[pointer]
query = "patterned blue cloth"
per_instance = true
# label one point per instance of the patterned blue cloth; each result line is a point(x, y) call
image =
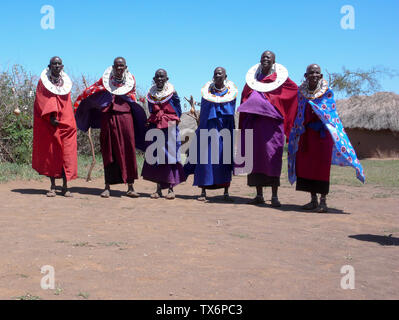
point(343, 153)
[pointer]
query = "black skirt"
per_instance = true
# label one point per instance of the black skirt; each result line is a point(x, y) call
point(262, 180)
point(314, 186)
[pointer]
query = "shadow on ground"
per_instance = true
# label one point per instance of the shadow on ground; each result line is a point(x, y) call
point(382, 240)
point(267, 204)
point(95, 191)
point(30, 191)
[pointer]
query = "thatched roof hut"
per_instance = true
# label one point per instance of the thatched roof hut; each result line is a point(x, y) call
point(372, 124)
point(377, 112)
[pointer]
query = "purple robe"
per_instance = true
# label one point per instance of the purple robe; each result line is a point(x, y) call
point(170, 173)
point(258, 114)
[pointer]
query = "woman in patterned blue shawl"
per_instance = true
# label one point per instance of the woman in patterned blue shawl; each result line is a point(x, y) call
point(318, 140)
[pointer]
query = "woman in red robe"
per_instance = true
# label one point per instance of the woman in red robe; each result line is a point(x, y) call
point(110, 104)
point(313, 158)
point(54, 128)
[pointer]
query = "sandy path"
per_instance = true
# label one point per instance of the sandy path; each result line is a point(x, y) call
point(122, 248)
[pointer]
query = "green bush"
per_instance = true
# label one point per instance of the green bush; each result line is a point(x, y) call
point(17, 89)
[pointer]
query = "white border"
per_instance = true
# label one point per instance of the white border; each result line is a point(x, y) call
point(154, 96)
point(63, 90)
point(126, 88)
point(311, 96)
point(253, 83)
point(229, 96)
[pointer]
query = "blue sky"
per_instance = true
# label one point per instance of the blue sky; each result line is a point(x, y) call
point(190, 38)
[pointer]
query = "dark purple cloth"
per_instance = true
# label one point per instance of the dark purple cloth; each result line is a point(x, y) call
point(258, 104)
point(89, 114)
point(258, 114)
point(171, 172)
point(167, 175)
point(118, 142)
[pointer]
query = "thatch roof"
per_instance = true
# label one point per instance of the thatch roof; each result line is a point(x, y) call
point(377, 112)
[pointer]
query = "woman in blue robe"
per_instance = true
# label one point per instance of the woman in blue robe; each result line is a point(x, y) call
point(212, 163)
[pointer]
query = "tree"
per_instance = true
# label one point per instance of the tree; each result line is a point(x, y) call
point(359, 82)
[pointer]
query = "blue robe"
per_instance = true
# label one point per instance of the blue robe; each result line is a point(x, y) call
point(216, 116)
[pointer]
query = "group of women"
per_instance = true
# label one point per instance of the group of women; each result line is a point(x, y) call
point(273, 111)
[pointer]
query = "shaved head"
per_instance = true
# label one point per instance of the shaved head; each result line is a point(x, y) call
point(160, 78)
point(268, 52)
point(55, 67)
point(313, 75)
point(267, 60)
point(219, 76)
point(220, 68)
point(120, 58)
point(54, 59)
point(161, 71)
point(119, 68)
point(313, 66)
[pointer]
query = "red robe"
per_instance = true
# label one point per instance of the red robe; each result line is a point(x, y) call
point(284, 98)
point(54, 148)
point(313, 158)
point(118, 143)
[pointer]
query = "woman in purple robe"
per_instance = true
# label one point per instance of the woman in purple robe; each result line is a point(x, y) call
point(165, 111)
point(268, 107)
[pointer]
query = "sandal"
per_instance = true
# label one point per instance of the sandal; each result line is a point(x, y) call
point(227, 198)
point(156, 195)
point(105, 194)
point(310, 206)
point(275, 202)
point(132, 194)
point(66, 193)
point(322, 208)
point(170, 196)
point(257, 200)
point(51, 193)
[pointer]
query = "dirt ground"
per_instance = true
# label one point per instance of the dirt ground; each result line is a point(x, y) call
point(123, 248)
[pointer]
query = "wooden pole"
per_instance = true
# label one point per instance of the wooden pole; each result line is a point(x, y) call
point(193, 112)
point(93, 161)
